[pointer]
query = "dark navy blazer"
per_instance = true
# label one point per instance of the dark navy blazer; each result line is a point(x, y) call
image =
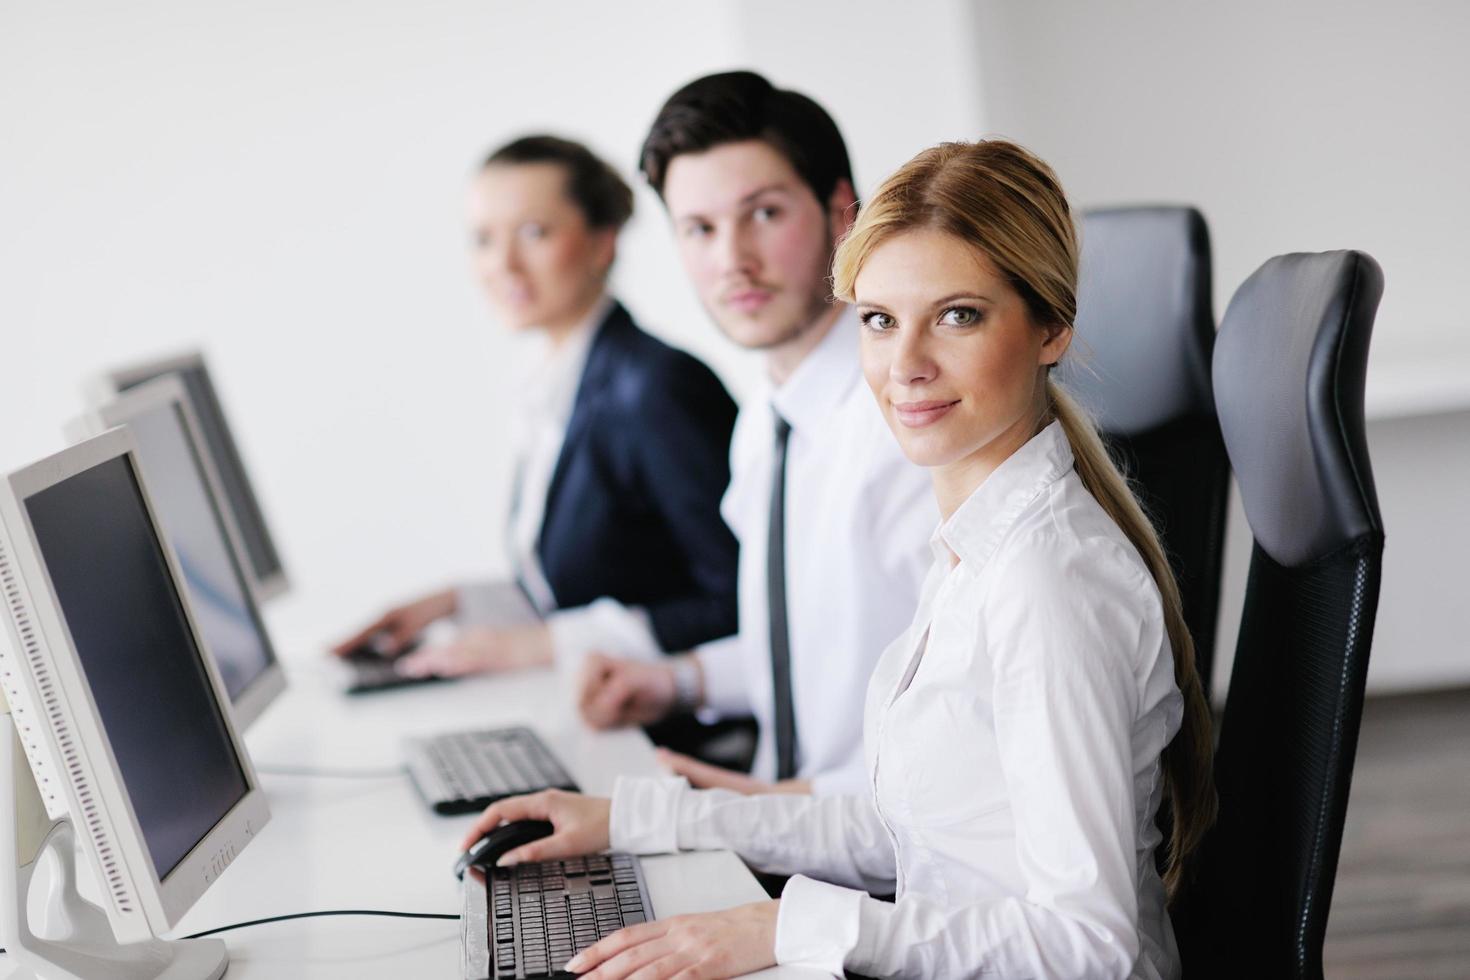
point(633, 510)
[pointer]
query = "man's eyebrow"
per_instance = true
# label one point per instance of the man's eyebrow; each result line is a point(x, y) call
point(781, 186)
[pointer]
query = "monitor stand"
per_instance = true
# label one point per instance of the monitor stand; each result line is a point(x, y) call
point(80, 943)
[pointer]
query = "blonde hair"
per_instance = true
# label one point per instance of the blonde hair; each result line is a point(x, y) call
point(1009, 206)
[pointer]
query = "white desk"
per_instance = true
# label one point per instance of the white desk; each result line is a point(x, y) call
point(374, 844)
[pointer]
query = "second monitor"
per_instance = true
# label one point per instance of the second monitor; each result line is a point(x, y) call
point(267, 571)
point(201, 528)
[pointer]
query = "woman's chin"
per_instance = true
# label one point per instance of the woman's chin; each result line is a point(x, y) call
point(922, 449)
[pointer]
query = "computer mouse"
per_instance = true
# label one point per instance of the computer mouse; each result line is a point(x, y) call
point(375, 650)
point(507, 837)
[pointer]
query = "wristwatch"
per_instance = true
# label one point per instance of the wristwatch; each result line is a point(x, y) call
point(688, 683)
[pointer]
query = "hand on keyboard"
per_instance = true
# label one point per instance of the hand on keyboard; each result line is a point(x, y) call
point(581, 824)
point(715, 944)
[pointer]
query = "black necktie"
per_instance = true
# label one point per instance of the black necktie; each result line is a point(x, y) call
point(776, 604)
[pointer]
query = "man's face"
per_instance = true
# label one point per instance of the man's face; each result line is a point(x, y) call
point(755, 241)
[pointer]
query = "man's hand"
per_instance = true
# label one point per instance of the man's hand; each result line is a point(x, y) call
point(702, 775)
point(615, 693)
point(480, 649)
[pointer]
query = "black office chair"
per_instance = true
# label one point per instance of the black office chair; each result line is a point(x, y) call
point(1288, 371)
point(1145, 332)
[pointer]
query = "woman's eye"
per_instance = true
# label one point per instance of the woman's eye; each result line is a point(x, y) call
point(960, 316)
point(767, 213)
point(877, 321)
point(533, 231)
point(482, 239)
point(697, 230)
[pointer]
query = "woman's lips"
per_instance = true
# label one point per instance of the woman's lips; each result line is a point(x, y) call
point(916, 415)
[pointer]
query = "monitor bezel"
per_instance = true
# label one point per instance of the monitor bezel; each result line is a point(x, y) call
point(97, 784)
point(168, 392)
point(117, 381)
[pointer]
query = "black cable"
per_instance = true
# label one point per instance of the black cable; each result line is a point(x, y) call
point(311, 915)
point(330, 773)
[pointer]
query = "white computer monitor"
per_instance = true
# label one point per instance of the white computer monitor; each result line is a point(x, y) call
point(122, 716)
point(267, 571)
point(200, 526)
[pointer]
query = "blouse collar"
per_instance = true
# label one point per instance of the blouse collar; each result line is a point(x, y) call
point(977, 526)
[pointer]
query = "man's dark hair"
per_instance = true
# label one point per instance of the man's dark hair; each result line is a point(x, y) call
point(604, 198)
point(735, 106)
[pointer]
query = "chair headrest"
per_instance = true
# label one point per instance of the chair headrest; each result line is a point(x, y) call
point(1141, 354)
point(1289, 368)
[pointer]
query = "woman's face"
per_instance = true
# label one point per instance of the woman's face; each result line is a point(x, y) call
point(539, 263)
point(951, 353)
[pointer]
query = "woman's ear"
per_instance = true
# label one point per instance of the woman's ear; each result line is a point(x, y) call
point(1058, 339)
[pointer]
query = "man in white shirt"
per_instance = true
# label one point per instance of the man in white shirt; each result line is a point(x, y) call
point(833, 521)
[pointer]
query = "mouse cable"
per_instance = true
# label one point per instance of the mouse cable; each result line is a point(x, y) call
point(328, 772)
point(312, 915)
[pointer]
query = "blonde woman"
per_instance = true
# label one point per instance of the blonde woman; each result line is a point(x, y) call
point(1021, 736)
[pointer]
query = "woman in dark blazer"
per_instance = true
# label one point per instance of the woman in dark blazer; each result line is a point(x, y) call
point(615, 533)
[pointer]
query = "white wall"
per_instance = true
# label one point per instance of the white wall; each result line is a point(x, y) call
point(282, 183)
point(1294, 127)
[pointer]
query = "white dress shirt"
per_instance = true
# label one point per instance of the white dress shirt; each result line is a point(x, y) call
point(1012, 738)
point(858, 518)
point(548, 397)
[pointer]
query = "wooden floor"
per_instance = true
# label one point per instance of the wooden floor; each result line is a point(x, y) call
point(1401, 908)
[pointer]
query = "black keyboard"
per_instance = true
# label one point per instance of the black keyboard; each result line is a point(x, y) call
point(529, 920)
point(463, 772)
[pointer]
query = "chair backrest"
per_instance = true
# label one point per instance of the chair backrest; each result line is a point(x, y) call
point(1145, 333)
point(1289, 368)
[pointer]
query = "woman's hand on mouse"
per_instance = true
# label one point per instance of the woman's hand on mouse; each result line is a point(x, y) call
point(402, 623)
point(581, 824)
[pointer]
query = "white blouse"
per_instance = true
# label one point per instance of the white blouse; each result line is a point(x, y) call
point(1012, 737)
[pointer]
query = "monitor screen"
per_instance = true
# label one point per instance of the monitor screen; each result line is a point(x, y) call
point(264, 561)
point(218, 592)
point(146, 674)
